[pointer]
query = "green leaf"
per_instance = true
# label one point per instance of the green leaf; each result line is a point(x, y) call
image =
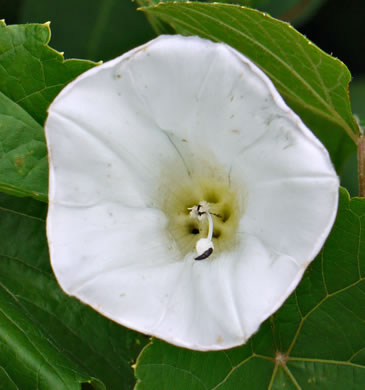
point(23, 162)
point(31, 75)
point(314, 84)
point(294, 11)
point(47, 339)
point(315, 341)
point(160, 27)
point(248, 3)
point(90, 29)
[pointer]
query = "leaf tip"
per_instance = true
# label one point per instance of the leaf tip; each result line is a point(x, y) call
point(47, 24)
point(344, 194)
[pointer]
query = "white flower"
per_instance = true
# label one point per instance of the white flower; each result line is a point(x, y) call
point(177, 141)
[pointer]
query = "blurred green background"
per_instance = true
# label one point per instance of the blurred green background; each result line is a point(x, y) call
point(103, 29)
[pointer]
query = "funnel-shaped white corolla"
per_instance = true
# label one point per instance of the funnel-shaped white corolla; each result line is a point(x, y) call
point(186, 199)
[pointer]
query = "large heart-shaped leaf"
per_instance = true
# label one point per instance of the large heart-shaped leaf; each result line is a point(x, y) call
point(31, 75)
point(295, 11)
point(161, 27)
point(48, 340)
point(315, 341)
point(313, 83)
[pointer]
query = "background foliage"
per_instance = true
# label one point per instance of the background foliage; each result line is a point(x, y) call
point(51, 341)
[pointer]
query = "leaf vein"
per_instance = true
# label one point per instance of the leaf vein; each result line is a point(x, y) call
point(16, 325)
point(21, 214)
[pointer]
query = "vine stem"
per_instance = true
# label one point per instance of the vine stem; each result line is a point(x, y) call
point(361, 163)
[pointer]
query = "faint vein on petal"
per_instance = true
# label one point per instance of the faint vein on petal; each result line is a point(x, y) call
point(178, 152)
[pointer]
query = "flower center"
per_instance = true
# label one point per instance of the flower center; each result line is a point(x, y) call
point(203, 211)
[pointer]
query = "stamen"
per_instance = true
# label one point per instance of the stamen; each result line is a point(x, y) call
point(204, 246)
point(210, 229)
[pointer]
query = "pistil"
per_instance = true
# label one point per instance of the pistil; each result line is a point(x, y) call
point(204, 247)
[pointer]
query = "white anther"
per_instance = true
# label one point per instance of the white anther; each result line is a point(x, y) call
point(204, 247)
